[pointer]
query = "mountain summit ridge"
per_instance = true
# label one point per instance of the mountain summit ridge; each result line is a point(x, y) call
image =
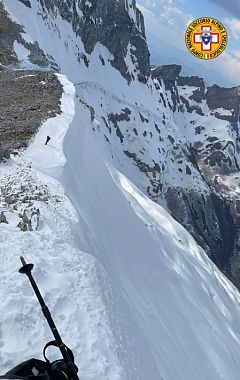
point(155, 128)
point(133, 293)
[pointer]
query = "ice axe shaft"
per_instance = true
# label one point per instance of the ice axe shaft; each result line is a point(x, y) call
point(27, 269)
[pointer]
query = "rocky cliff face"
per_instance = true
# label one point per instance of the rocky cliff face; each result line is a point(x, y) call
point(115, 24)
point(28, 97)
point(211, 124)
point(10, 34)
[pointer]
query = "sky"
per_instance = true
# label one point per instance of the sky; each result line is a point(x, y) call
point(166, 22)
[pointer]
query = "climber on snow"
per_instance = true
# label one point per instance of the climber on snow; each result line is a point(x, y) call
point(48, 139)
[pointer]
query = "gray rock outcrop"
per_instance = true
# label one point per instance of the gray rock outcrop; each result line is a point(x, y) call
point(10, 32)
point(108, 22)
point(3, 218)
point(27, 99)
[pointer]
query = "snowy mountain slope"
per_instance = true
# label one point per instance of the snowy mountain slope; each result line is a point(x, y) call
point(143, 294)
point(164, 274)
point(163, 147)
point(147, 301)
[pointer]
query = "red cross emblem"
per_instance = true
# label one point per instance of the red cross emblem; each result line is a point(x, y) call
point(206, 37)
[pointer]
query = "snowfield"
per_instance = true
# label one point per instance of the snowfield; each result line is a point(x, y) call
point(130, 290)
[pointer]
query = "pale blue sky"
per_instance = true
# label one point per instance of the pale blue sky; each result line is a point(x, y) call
point(166, 22)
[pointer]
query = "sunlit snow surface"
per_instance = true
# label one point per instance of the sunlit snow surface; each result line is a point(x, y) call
point(140, 300)
point(132, 293)
point(68, 277)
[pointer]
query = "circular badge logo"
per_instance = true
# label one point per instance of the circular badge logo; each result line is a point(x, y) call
point(206, 38)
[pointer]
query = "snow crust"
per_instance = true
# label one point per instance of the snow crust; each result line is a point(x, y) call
point(223, 112)
point(21, 51)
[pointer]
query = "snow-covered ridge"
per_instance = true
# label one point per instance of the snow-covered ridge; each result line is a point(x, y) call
point(133, 294)
point(48, 216)
point(56, 128)
point(21, 199)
